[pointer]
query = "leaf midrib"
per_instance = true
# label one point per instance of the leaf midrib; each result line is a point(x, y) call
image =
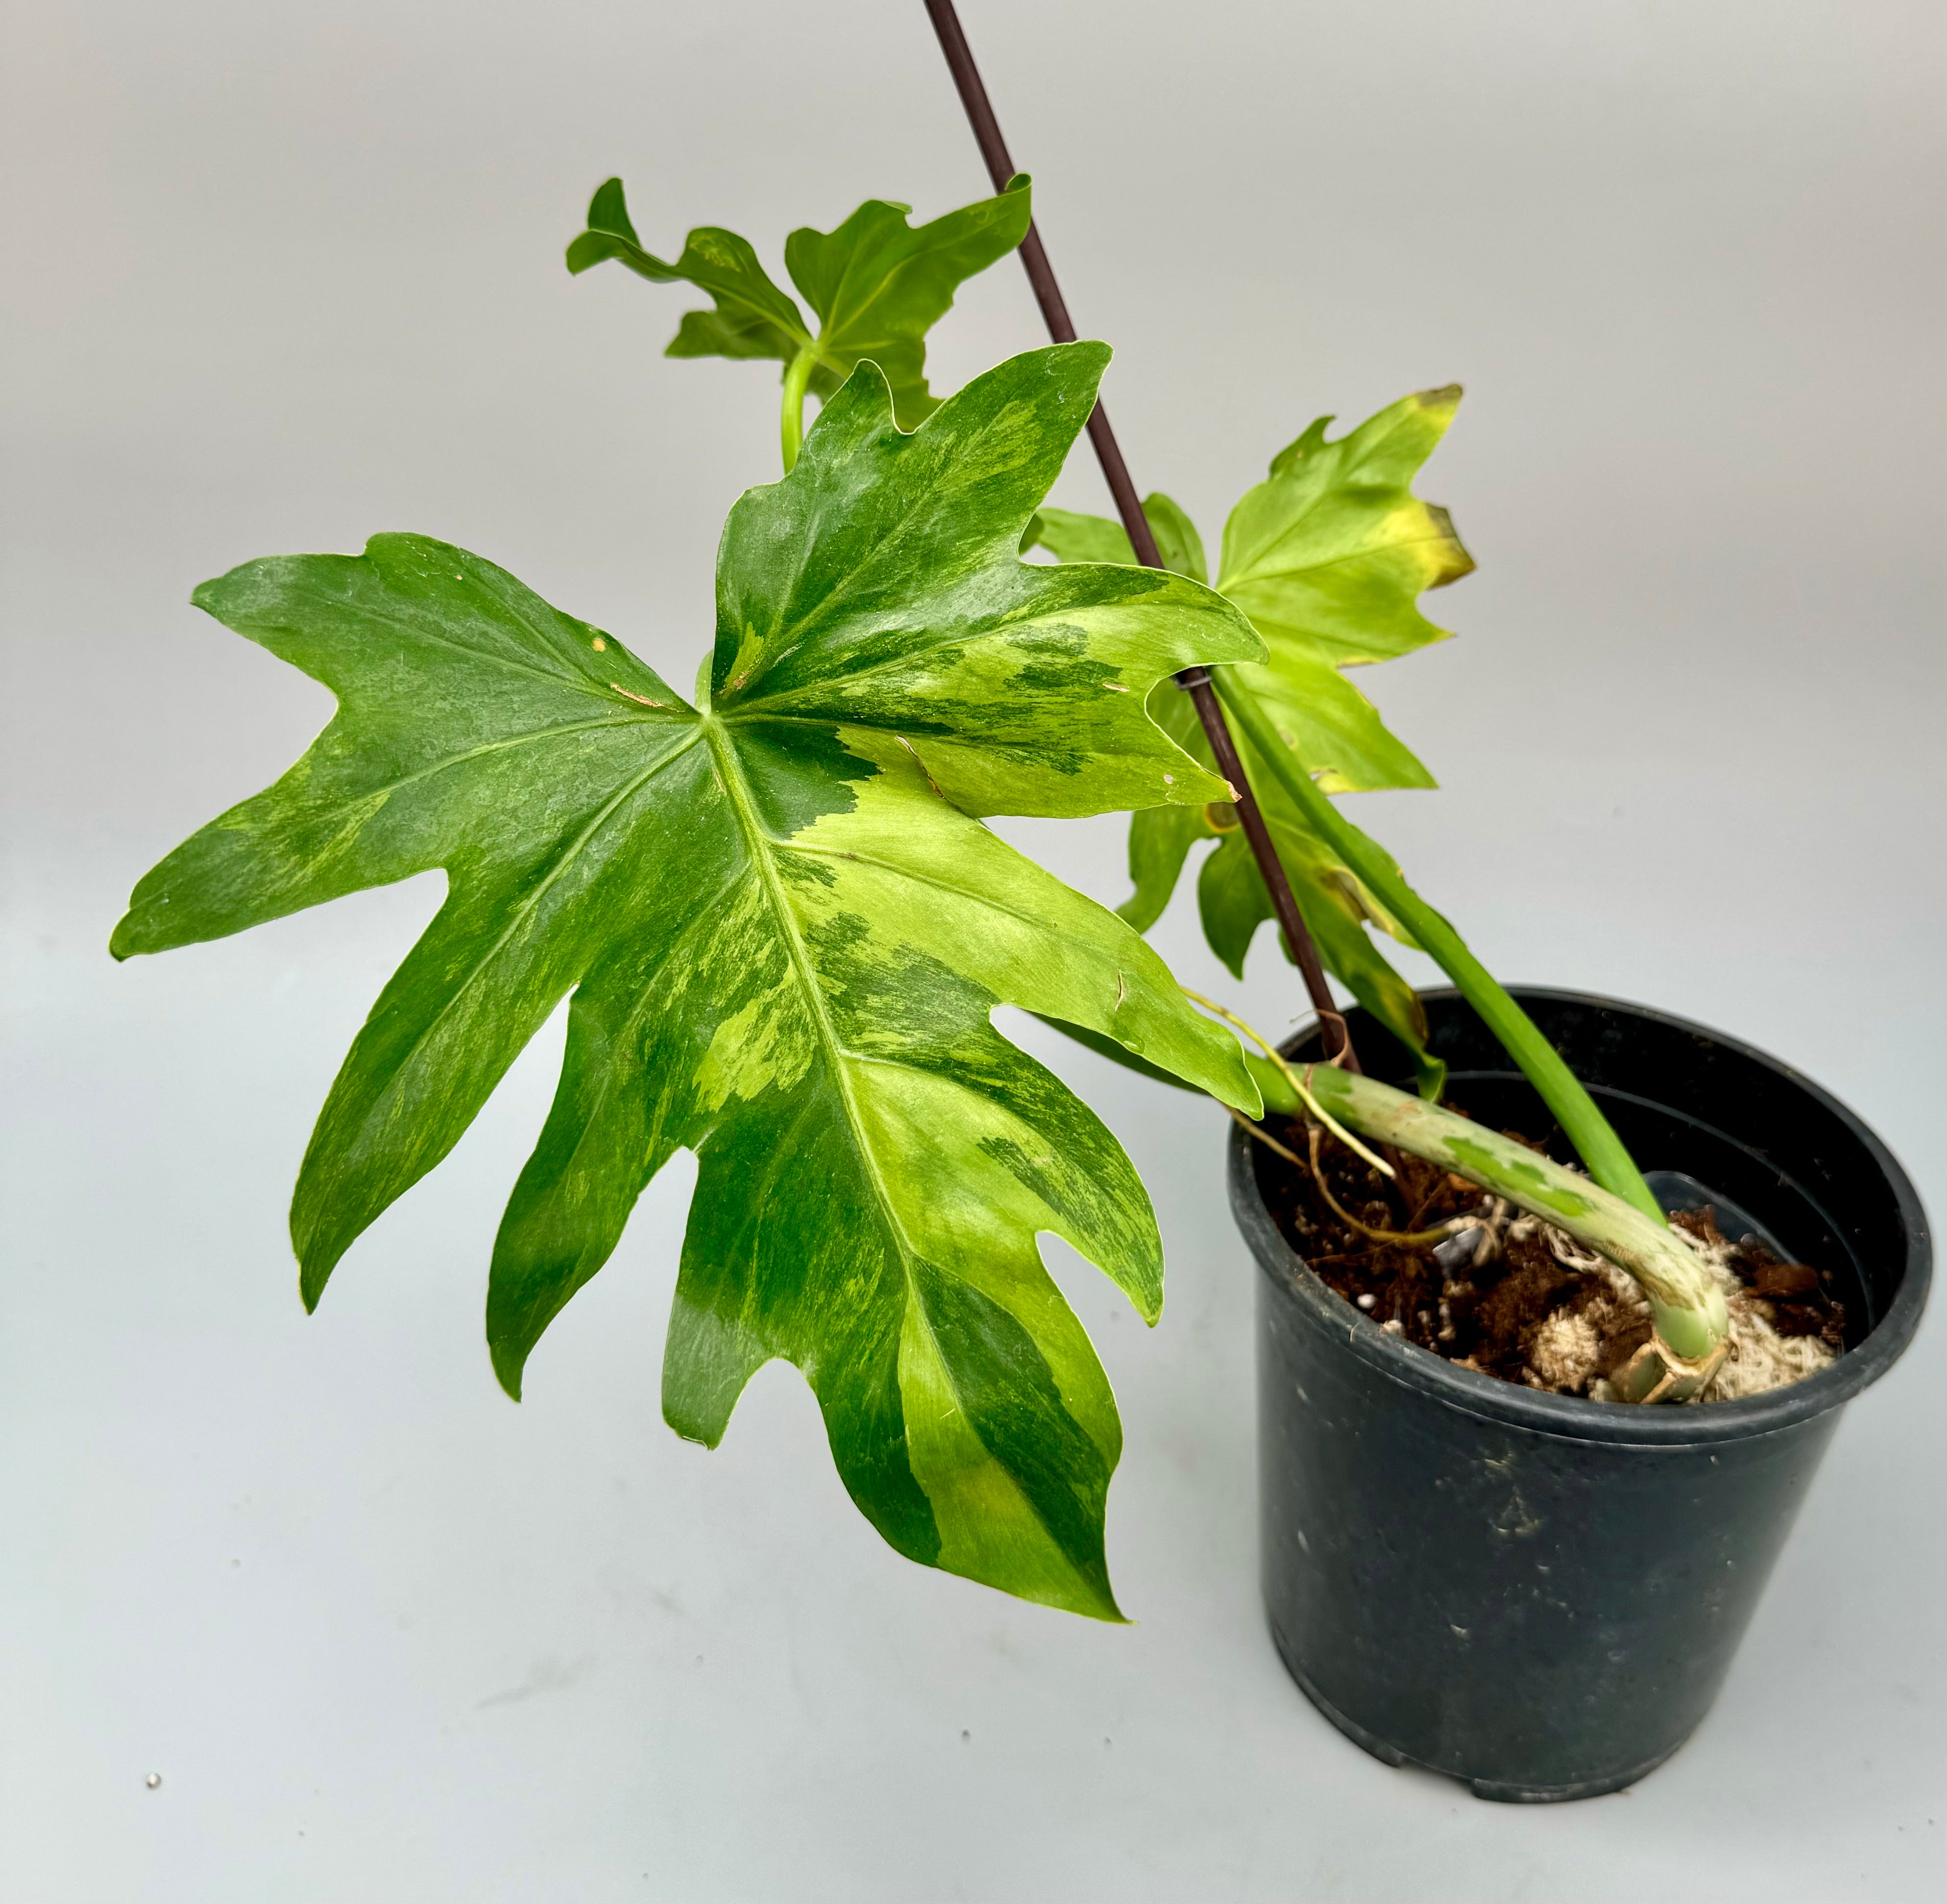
point(504, 744)
point(1026, 615)
point(1252, 573)
point(852, 319)
point(886, 549)
point(646, 999)
point(939, 885)
point(759, 844)
point(558, 677)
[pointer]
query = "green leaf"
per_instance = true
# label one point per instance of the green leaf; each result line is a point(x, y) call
point(752, 318)
point(783, 933)
point(1328, 557)
point(1072, 538)
point(1120, 1055)
point(1334, 548)
point(1177, 542)
point(876, 284)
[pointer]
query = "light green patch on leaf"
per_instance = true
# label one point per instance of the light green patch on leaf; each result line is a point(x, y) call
point(1177, 542)
point(1071, 537)
point(1329, 554)
point(875, 286)
point(783, 932)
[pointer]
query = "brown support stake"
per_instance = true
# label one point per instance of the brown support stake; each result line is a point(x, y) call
point(1194, 682)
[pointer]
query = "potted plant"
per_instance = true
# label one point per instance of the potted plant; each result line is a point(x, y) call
point(781, 928)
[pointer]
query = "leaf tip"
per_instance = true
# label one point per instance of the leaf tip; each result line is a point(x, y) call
point(608, 210)
point(509, 1365)
point(1453, 557)
point(314, 1264)
point(1101, 1604)
point(684, 1430)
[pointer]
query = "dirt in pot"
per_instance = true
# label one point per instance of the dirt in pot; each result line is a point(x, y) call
point(1502, 1292)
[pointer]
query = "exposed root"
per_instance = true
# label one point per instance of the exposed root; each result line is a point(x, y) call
point(1507, 1292)
point(1568, 1349)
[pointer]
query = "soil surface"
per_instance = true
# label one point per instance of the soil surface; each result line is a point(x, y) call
point(1497, 1296)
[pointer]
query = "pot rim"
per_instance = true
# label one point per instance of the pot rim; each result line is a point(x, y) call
point(1570, 1418)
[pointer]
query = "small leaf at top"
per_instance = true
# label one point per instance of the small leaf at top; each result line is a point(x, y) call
point(876, 285)
point(784, 934)
point(753, 318)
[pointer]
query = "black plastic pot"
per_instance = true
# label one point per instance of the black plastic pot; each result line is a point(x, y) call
point(1538, 1594)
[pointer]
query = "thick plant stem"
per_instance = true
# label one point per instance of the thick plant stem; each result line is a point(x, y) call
point(1686, 1305)
point(797, 380)
point(1595, 1141)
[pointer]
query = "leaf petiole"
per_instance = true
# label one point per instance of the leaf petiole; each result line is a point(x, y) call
point(1582, 1122)
point(797, 380)
point(1297, 1084)
point(1686, 1307)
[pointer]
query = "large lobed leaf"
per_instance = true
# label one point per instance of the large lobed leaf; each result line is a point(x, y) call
point(1328, 557)
point(876, 285)
point(785, 933)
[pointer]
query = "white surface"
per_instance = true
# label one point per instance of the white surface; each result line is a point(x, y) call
point(281, 275)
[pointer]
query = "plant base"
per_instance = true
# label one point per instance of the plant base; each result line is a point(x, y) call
point(1538, 1594)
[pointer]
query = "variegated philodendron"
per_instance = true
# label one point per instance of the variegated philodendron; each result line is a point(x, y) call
point(784, 930)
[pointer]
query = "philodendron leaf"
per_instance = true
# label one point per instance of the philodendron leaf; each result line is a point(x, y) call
point(752, 317)
point(1329, 556)
point(876, 285)
point(784, 933)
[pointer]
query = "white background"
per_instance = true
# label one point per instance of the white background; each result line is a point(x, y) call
point(278, 276)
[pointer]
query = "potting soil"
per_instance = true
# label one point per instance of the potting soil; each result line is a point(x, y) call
point(1505, 1294)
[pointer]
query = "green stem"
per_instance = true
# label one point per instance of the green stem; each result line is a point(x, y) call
point(1596, 1142)
point(797, 380)
point(1685, 1303)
